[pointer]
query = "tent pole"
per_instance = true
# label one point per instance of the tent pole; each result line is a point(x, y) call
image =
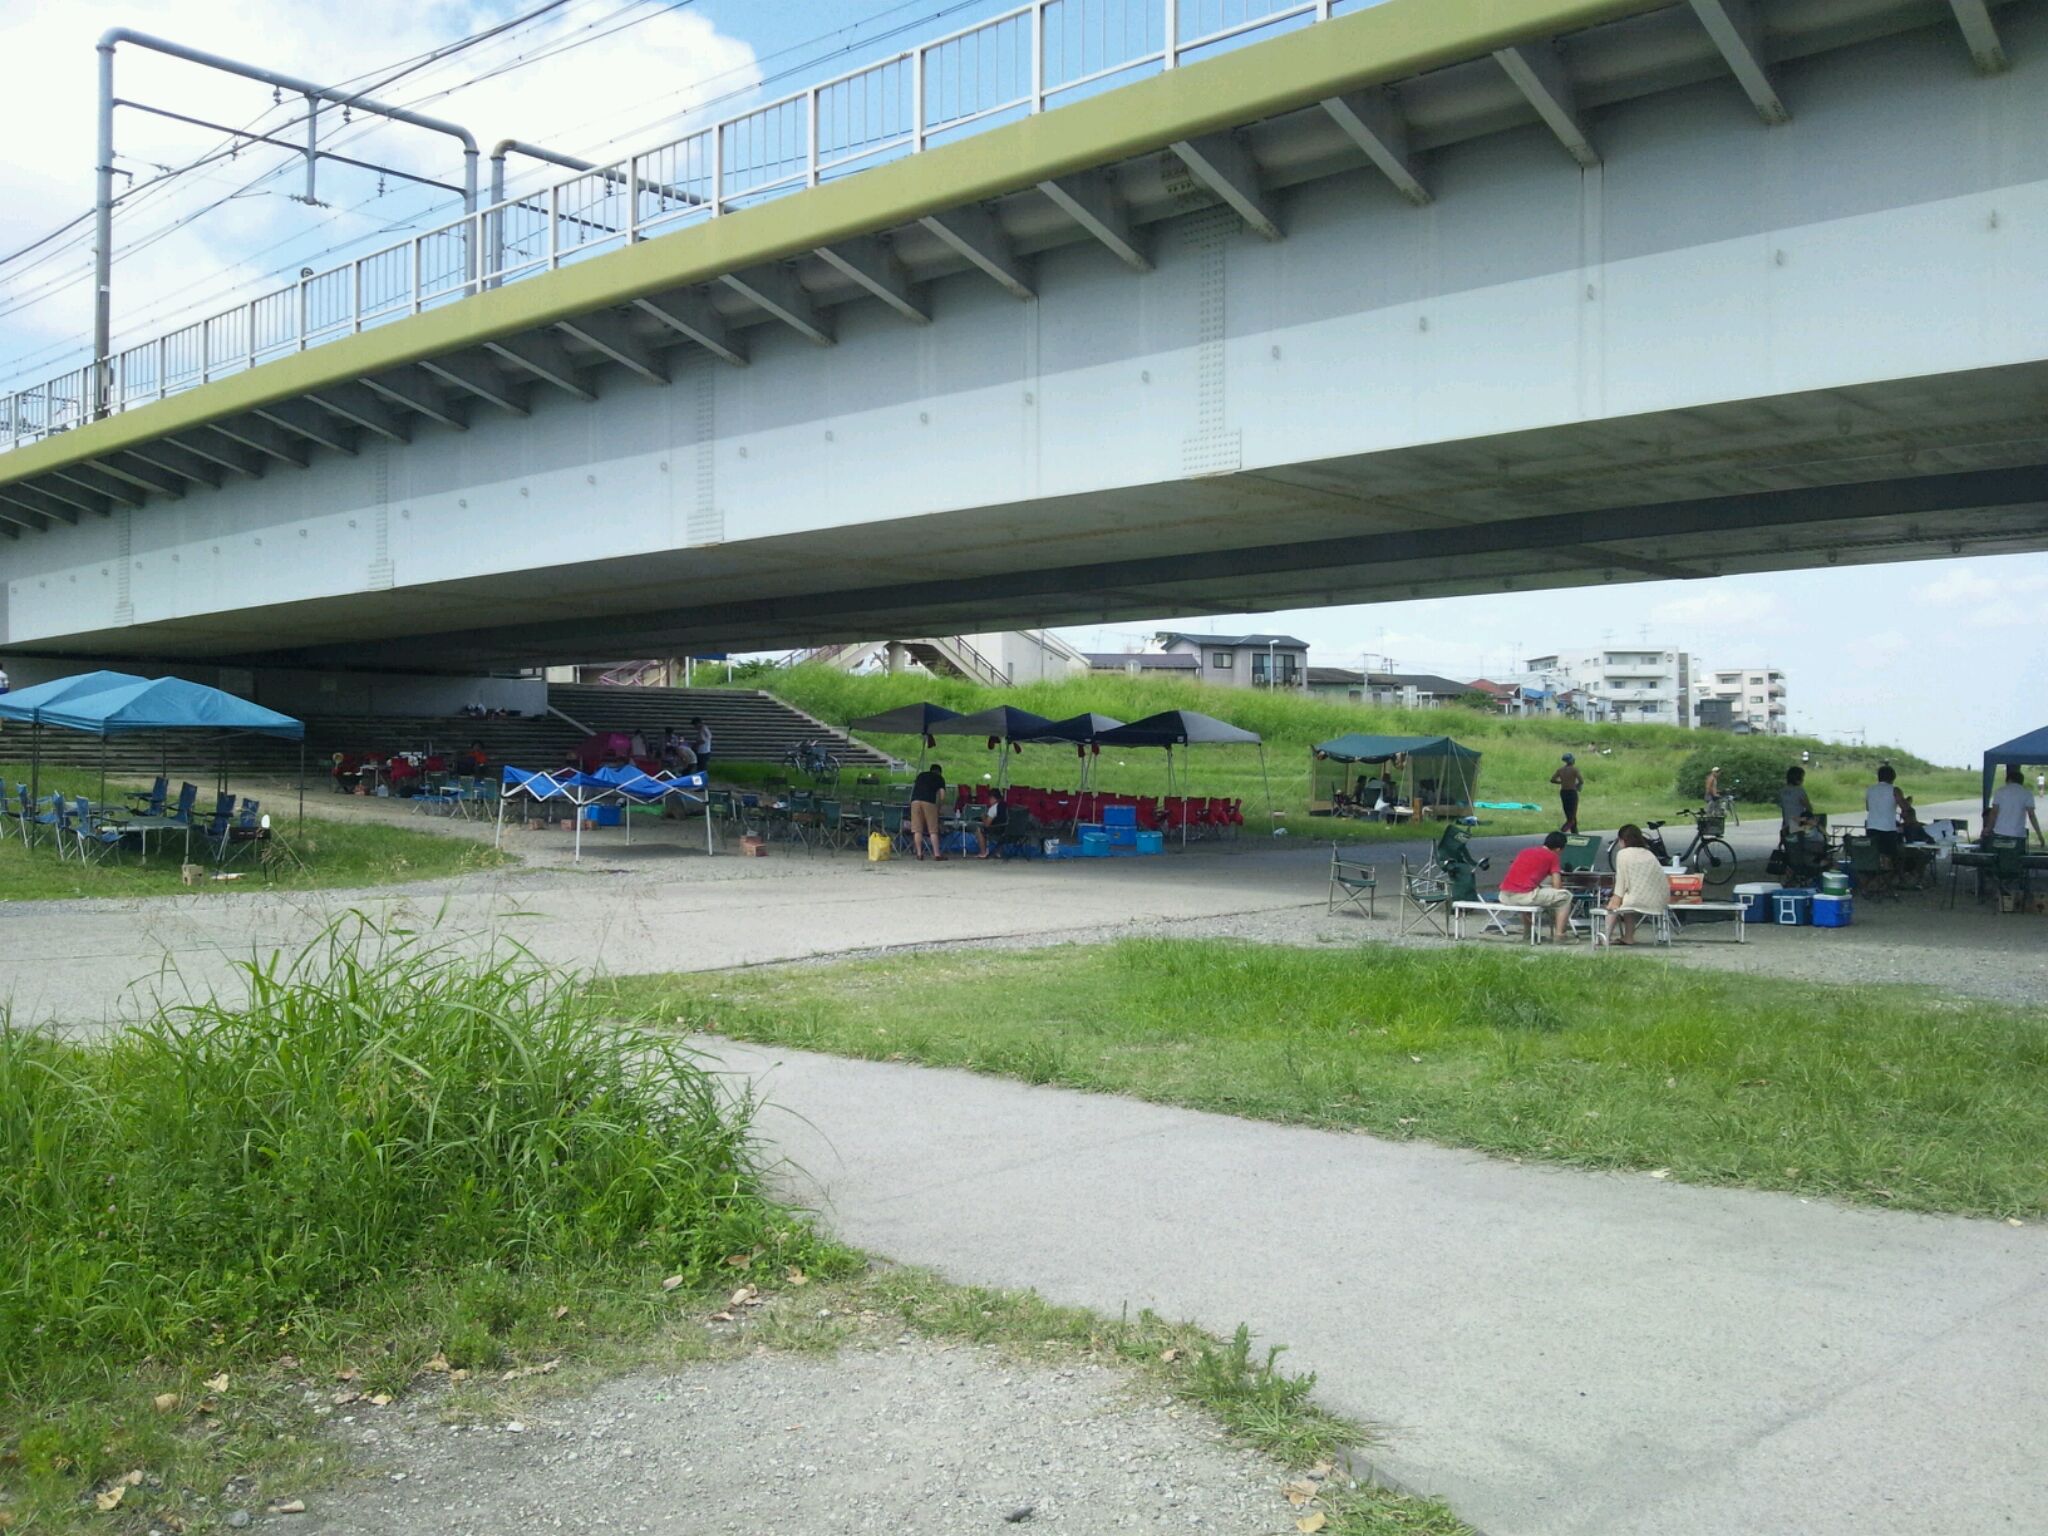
point(302, 784)
point(35, 758)
point(498, 841)
point(1266, 779)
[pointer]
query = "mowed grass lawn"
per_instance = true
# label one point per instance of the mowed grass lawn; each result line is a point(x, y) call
point(336, 854)
point(1882, 1095)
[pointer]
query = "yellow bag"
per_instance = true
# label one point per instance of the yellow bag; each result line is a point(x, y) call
point(880, 848)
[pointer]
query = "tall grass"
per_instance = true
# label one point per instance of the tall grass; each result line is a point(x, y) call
point(1632, 771)
point(378, 1111)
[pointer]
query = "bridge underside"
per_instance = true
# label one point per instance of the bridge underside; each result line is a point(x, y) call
point(1915, 469)
point(1658, 334)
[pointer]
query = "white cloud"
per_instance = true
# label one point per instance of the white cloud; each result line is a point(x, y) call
point(1718, 607)
point(610, 87)
point(1995, 595)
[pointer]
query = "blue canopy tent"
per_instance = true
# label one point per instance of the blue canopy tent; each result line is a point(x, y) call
point(27, 705)
point(164, 704)
point(2028, 751)
point(617, 785)
point(1172, 728)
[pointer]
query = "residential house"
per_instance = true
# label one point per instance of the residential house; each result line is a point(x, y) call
point(1242, 661)
point(1403, 690)
point(1142, 663)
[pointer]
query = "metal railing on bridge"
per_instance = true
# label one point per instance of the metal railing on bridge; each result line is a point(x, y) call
point(1037, 56)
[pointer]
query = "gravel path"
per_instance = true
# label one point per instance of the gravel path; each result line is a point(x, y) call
point(919, 1436)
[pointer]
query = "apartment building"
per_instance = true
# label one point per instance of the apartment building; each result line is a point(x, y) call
point(1629, 685)
point(1747, 700)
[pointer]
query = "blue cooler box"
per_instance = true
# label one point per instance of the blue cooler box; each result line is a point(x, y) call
point(1121, 836)
point(1791, 907)
point(1756, 900)
point(1114, 816)
point(1094, 843)
point(1151, 842)
point(601, 815)
point(1833, 911)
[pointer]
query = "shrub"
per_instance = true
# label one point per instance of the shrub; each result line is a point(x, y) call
point(1752, 768)
point(378, 1109)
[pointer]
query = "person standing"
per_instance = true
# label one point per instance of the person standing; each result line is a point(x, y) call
point(1883, 815)
point(2012, 808)
point(5, 686)
point(1569, 780)
point(1795, 810)
point(1535, 878)
point(703, 734)
point(924, 812)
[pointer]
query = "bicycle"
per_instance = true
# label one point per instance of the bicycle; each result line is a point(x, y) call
point(1708, 855)
point(814, 761)
point(1724, 803)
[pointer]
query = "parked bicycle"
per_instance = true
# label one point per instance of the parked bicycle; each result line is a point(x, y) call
point(1708, 855)
point(815, 761)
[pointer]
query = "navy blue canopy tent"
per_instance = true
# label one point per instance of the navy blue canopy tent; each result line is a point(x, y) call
point(919, 720)
point(1172, 728)
point(108, 704)
point(2028, 751)
point(1004, 726)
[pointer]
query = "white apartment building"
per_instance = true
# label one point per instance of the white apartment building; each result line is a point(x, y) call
point(1629, 685)
point(1754, 696)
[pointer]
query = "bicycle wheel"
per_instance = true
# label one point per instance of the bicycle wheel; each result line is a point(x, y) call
point(1713, 860)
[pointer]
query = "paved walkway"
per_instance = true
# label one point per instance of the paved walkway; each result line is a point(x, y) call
point(1553, 1351)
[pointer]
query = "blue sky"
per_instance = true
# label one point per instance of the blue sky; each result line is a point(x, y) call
point(1943, 658)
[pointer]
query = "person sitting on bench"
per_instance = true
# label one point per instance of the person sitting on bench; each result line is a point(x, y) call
point(1535, 879)
point(1641, 888)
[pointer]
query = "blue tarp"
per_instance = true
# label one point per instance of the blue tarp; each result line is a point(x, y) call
point(30, 704)
point(620, 782)
point(2028, 751)
point(165, 704)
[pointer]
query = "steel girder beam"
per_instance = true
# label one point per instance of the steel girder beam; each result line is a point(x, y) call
point(471, 372)
point(266, 439)
point(168, 455)
point(1539, 73)
point(974, 233)
point(610, 335)
point(1981, 33)
point(311, 423)
point(776, 290)
point(1734, 27)
point(1830, 507)
point(690, 315)
point(1091, 201)
point(1227, 169)
point(202, 445)
point(1372, 121)
point(102, 485)
point(18, 512)
point(414, 391)
point(137, 472)
point(546, 359)
point(871, 266)
point(55, 498)
point(363, 407)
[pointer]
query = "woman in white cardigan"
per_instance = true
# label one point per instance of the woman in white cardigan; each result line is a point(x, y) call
point(1641, 888)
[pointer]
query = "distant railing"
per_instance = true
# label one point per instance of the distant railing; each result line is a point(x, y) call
point(999, 70)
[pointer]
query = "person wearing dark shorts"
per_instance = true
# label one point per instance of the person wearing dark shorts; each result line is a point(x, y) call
point(924, 812)
point(1568, 780)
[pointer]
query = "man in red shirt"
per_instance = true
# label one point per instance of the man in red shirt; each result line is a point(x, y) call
point(1535, 879)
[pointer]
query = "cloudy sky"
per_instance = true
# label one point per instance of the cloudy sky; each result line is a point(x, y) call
point(1944, 658)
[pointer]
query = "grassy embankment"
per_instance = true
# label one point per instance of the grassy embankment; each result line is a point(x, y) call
point(1632, 771)
point(395, 1168)
point(337, 854)
point(1886, 1096)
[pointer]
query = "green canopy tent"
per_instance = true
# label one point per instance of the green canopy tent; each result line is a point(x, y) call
point(1430, 775)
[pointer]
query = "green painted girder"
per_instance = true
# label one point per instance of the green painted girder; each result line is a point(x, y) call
point(1379, 46)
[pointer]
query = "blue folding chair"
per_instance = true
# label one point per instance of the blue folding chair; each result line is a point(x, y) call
point(243, 832)
point(151, 804)
point(188, 796)
point(94, 837)
point(19, 815)
point(215, 832)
